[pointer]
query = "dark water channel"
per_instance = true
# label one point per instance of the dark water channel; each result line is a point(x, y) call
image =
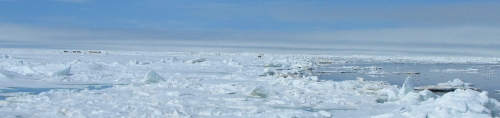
point(484, 76)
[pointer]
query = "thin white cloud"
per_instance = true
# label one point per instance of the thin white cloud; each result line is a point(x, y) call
point(478, 13)
point(466, 40)
point(75, 1)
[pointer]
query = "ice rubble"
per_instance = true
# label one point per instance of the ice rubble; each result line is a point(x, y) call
point(5, 56)
point(272, 65)
point(174, 59)
point(468, 70)
point(24, 70)
point(267, 72)
point(47, 70)
point(231, 62)
point(152, 77)
point(215, 89)
point(460, 103)
point(259, 92)
point(456, 83)
point(449, 86)
point(407, 86)
point(197, 60)
point(135, 62)
point(53, 69)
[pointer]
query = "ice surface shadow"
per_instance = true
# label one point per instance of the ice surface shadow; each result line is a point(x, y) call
point(14, 90)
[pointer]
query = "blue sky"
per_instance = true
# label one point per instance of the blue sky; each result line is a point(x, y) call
point(388, 27)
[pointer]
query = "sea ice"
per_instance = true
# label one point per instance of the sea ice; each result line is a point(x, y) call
point(272, 65)
point(259, 92)
point(220, 87)
point(268, 72)
point(449, 86)
point(407, 86)
point(426, 95)
point(456, 83)
point(460, 103)
point(152, 77)
point(24, 70)
point(197, 60)
point(325, 113)
point(134, 62)
point(174, 59)
point(53, 69)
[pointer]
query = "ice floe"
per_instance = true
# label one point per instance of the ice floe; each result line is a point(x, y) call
point(468, 70)
point(197, 60)
point(449, 86)
point(272, 65)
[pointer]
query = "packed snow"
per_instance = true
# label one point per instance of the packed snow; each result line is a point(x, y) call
point(198, 84)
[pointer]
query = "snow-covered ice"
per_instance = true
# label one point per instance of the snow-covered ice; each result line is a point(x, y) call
point(53, 70)
point(152, 77)
point(197, 60)
point(407, 87)
point(190, 84)
point(449, 86)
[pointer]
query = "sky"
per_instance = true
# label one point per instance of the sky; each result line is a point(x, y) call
point(350, 27)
